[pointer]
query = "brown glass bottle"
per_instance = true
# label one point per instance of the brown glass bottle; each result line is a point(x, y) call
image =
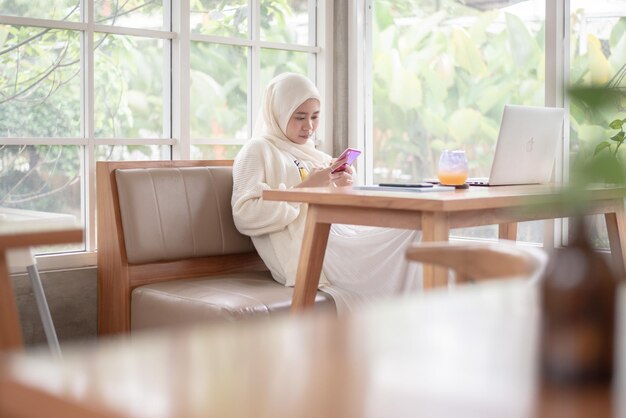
point(578, 310)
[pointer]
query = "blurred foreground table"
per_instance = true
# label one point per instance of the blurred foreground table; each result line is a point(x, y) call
point(471, 352)
point(20, 230)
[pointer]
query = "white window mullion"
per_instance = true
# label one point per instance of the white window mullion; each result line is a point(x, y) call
point(254, 63)
point(42, 23)
point(166, 73)
point(48, 141)
point(89, 188)
point(359, 85)
point(181, 82)
point(144, 33)
point(321, 69)
point(561, 228)
point(556, 63)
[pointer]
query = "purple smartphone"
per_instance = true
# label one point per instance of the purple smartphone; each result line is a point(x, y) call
point(351, 154)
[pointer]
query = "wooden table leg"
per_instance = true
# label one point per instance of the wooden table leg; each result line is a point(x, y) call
point(508, 231)
point(435, 227)
point(10, 332)
point(616, 229)
point(311, 259)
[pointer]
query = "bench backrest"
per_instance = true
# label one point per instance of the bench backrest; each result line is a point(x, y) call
point(176, 213)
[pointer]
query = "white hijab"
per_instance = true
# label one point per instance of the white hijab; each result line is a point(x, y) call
point(284, 94)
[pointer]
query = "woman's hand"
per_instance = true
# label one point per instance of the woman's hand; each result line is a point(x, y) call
point(342, 178)
point(323, 177)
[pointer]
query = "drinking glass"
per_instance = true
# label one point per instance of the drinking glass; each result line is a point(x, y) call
point(452, 169)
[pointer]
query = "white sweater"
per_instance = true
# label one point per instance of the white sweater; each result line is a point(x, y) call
point(276, 228)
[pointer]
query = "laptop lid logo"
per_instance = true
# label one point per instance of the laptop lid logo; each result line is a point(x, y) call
point(529, 144)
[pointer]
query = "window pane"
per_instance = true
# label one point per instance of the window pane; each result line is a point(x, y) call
point(442, 73)
point(285, 21)
point(42, 178)
point(39, 82)
point(130, 13)
point(219, 89)
point(133, 152)
point(220, 17)
point(598, 58)
point(129, 86)
point(214, 152)
point(275, 61)
point(68, 10)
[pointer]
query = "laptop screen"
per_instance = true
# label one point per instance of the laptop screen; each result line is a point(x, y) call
point(527, 145)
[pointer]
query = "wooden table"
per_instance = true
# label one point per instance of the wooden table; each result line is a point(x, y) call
point(435, 213)
point(24, 229)
point(467, 353)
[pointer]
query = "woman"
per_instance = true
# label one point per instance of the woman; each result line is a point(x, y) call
point(360, 262)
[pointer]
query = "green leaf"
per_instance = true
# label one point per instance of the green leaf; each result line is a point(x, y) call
point(383, 17)
point(617, 45)
point(523, 46)
point(619, 137)
point(437, 145)
point(433, 123)
point(464, 123)
point(618, 31)
point(4, 33)
point(602, 145)
point(466, 54)
point(492, 96)
point(405, 88)
point(616, 124)
point(599, 67)
point(596, 98)
point(591, 133)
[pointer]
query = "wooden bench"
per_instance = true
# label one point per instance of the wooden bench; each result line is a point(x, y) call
point(169, 252)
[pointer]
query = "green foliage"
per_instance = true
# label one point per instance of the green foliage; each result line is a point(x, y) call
point(439, 84)
point(443, 73)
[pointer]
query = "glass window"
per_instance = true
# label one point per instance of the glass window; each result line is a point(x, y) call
point(220, 18)
point(44, 178)
point(128, 84)
point(222, 71)
point(68, 10)
point(214, 152)
point(219, 91)
point(130, 13)
point(442, 71)
point(286, 21)
point(39, 82)
point(276, 61)
point(72, 93)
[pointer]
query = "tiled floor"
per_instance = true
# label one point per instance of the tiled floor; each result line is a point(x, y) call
point(72, 298)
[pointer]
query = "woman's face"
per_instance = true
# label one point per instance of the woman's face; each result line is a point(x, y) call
point(303, 123)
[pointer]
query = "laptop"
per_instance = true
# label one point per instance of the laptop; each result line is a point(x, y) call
point(526, 147)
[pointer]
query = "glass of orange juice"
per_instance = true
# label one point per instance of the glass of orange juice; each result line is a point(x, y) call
point(452, 169)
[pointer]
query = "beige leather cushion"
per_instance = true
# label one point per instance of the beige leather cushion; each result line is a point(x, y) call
point(230, 297)
point(175, 213)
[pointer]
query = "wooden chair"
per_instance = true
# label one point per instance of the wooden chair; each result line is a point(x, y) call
point(473, 262)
